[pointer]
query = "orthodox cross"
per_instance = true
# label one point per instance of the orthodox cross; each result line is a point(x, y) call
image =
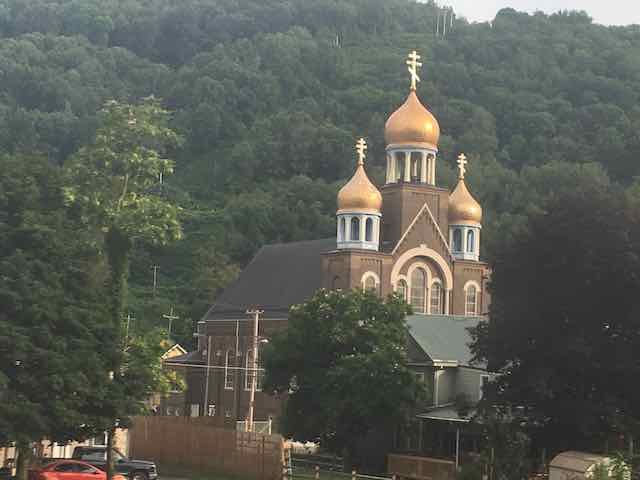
point(413, 64)
point(361, 148)
point(462, 162)
point(171, 317)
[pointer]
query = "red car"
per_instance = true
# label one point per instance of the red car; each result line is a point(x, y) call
point(70, 470)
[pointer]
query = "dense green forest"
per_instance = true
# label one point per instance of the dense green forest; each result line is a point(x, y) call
point(270, 94)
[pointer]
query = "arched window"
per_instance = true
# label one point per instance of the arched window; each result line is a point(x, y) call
point(401, 289)
point(370, 283)
point(471, 300)
point(368, 230)
point(471, 241)
point(436, 298)
point(343, 229)
point(229, 372)
point(355, 228)
point(418, 287)
point(457, 240)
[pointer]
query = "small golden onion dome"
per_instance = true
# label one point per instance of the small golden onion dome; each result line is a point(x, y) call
point(359, 194)
point(463, 208)
point(412, 124)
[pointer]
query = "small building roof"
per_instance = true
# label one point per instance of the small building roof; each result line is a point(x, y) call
point(175, 351)
point(195, 357)
point(576, 462)
point(279, 276)
point(445, 414)
point(444, 338)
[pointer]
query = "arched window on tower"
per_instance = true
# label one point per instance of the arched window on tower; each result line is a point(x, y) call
point(343, 229)
point(471, 300)
point(471, 241)
point(368, 230)
point(401, 289)
point(436, 298)
point(355, 228)
point(418, 287)
point(457, 240)
point(370, 283)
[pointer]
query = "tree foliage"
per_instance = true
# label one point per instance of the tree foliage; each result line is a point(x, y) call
point(272, 92)
point(343, 362)
point(563, 324)
point(52, 368)
point(113, 183)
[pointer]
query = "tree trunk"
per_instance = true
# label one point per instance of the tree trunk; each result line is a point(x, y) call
point(23, 459)
point(118, 248)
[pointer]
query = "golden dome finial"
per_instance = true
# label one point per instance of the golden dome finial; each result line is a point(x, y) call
point(463, 208)
point(359, 194)
point(413, 68)
point(361, 148)
point(462, 162)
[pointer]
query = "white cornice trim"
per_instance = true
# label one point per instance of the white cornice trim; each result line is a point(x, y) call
point(412, 224)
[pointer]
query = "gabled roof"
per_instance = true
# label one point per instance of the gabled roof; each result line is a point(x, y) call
point(444, 338)
point(191, 357)
point(175, 351)
point(279, 276)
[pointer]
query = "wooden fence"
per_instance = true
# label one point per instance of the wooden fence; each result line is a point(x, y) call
point(195, 444)
point(420, 468)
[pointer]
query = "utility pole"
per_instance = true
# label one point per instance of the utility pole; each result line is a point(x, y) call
point(155, 278)
point(171, 317)
point(128, 318)
point(254, 368)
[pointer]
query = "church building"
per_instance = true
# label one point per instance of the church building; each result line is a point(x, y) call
point(408, 236)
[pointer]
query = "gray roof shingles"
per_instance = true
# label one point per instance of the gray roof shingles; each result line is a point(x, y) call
point(279, 276)
point(444, 337)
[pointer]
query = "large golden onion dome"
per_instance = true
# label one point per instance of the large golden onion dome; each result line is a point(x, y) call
point(463, 208)
point(412, 124)
point(359, 194)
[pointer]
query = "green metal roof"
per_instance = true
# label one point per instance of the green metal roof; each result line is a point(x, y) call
point(444, 338)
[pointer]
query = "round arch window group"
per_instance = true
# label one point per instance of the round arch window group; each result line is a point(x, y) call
point(428, 296)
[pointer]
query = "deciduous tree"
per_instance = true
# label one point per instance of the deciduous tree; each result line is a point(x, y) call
point(114, 184)
point(343, 364)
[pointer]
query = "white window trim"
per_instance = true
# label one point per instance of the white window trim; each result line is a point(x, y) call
point(368, 274)
point(437, 281)
point(406, 283)
point(427, 271)
point(478, 293)
point(227, 375)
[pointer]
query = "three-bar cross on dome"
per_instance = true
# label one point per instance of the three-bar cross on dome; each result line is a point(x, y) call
point(412, 123)
point(463, 208)
point(360, 194)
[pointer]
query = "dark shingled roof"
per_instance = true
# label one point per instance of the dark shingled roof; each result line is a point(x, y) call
point(279, 276)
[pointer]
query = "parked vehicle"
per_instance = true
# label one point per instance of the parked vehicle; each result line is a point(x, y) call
point(133, 469)
point(70, 470)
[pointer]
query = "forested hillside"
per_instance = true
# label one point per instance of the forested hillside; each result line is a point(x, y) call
point(270, 95)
